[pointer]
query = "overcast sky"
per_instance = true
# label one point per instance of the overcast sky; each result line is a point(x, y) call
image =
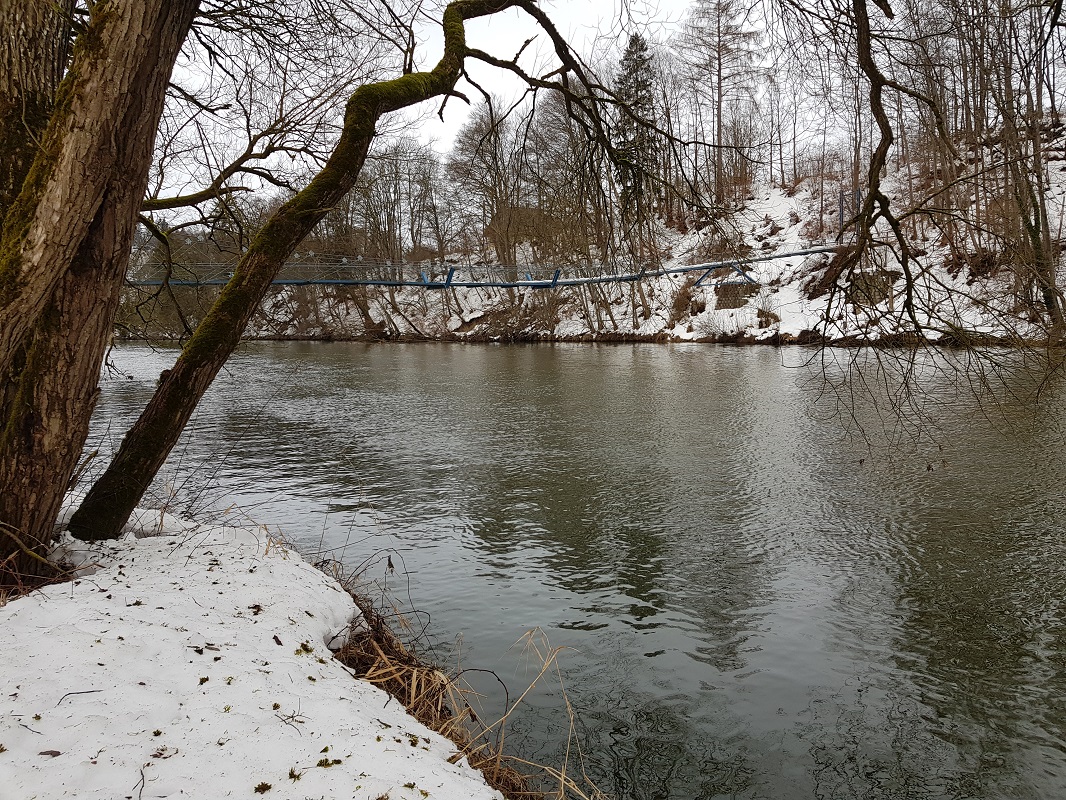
point(593, 27)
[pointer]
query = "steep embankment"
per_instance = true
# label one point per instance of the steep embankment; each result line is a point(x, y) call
point(669, 307)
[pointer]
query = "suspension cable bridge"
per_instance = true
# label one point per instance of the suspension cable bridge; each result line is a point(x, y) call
point(345, 272)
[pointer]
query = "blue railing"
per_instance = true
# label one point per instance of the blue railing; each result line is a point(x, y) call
point(470, 276)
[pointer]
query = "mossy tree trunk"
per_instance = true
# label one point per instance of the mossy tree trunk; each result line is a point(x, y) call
point(65, 247)
point(148, 443)
point(33, 51)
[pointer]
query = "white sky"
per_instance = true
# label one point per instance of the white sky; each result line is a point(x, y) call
point(595, 28)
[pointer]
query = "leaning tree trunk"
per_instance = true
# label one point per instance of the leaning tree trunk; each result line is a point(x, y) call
point(65, 247)
point(146, 446)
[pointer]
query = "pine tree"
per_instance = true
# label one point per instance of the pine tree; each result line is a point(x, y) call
point(637, 143)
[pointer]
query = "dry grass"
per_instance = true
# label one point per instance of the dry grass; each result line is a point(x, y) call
point(443, 704)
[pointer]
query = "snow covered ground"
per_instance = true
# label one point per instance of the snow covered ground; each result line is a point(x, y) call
point(196, 663)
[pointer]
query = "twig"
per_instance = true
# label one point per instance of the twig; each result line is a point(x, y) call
point(7, 529)
point(140, 783)
point(68, 694)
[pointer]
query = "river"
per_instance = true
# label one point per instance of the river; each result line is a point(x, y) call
point(752, 603)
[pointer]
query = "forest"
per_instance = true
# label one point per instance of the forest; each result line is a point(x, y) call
point(925, 143)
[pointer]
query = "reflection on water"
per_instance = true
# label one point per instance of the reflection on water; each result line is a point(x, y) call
point(756, 606)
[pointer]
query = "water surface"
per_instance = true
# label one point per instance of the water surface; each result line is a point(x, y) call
point(755, 606)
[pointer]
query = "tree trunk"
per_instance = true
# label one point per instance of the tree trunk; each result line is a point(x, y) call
point(148, 443)
point(107, 89)
point(33, 51)
point(66, 245)
point(33, 57)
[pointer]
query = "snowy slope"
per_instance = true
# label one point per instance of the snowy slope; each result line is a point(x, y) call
point(665, 308)
point(793, 297)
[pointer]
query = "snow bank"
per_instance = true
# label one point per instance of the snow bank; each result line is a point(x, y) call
point(197, 664)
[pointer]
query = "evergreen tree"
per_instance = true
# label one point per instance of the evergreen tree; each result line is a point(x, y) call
point(637, 144)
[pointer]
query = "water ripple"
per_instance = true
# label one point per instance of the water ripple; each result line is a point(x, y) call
point(753, 606)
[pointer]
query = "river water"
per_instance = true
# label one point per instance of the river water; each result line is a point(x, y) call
point(752, 604)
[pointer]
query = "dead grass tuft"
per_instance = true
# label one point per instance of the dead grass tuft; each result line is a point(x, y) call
point(443, 704)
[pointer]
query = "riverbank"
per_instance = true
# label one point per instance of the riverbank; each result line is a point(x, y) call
point(960, 340)
point(197, 662)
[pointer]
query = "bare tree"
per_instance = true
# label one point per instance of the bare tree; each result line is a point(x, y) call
point(146, 446)
point(486, 161)
point(718, 45)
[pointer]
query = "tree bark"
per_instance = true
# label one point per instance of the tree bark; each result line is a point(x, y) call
point(33, 57)
point(146, 446)
point(114, 63)
point(34, 39)
point(65, 247)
